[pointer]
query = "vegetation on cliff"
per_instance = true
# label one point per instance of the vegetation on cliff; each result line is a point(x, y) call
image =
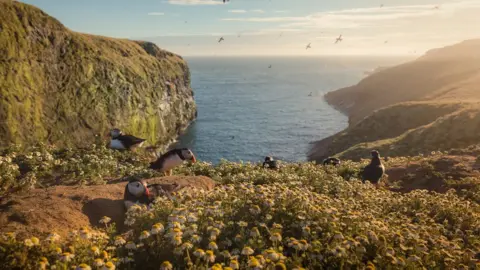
point(65, 88)
point(426, 105)
point(300, 216)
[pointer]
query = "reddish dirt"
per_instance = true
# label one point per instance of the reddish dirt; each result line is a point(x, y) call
point(66, 208)
point(431, 173)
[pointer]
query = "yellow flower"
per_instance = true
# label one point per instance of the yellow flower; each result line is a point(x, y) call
point(95, 250)
point(84, 266)
point(67, 256)
point(104, 255)
point(28, 242)
point(210, 256)
point(199, 253)
point(234, 264)
point(253, 262)
point(85, 233)
point(213, 246)
point(43, 263)
point(177, 240)
point(119, 241)
point(166, 265)
point(108, 266)
point(157, 229)
point(196, 238)
point(217, 267)
point(280, 266)
point(98, 262)
point(144, 235)
point(247, 251)
point(272, 255)
point(276, 237)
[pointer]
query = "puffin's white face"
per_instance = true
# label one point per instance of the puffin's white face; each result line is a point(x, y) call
point(136, 188)
point(188, 155)
point(115, 132)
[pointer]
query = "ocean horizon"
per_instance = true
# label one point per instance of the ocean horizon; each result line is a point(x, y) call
point(252, 107)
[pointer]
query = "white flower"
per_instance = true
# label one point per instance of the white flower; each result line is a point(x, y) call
point(276, 237)
point(131, 246)
point(144, 235)
point(119, 241)
point(28, 243)
point(213, 246)
point(84, 266)
point(98, 262)
point(247, 251)
point(105, 220)
point(53, 237)
point(157, 229)
point(67, 256)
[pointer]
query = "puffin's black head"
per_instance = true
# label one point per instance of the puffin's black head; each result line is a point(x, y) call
point(375, 154)
point(114, 133)
point(268, 159)
point(188, 155)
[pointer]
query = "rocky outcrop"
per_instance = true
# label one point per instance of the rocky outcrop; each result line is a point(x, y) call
point(64, 88)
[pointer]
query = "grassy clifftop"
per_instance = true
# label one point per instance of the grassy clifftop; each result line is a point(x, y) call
point(448, 74)
point(426, 105)
point(64, 87)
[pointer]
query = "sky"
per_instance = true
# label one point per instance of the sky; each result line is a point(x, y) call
point(276, 27)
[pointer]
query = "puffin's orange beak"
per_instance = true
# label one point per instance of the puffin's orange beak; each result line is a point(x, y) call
point(147, 192)
point(194, 159)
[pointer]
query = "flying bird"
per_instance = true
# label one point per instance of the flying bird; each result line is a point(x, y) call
point(381, 5)
point(270, 66)
point(386, 41)
point(221, 39)
point(309, 46)
point(436, 7)
point(339, 39)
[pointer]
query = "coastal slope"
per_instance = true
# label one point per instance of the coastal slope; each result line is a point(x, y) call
point(428, 104)
point(64, 88)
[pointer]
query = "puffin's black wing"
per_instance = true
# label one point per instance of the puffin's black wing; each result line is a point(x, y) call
point(129, 140)
point(373, 173)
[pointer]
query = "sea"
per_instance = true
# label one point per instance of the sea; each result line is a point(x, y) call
point(252, 107)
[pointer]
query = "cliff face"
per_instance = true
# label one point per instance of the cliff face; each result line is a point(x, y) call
point(426, 105)
point(63, 87)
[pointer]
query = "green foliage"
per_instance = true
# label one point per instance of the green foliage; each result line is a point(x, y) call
point(63, 87)
point(43, 166)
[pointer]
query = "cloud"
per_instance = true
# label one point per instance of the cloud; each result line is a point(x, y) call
point(258, 11)
point(156, 13)
point(266, 19)
point(195, 2)
point(364, 17)
point(237, 11)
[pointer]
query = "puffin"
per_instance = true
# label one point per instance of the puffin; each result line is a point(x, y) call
point(374, 171)
point(331, 161)
point(119, 141)
point(173, 158)
point(270, 163)
point(138, 192)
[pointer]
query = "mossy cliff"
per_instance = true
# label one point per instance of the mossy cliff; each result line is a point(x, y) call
point(62, 87)
point(425, 105)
